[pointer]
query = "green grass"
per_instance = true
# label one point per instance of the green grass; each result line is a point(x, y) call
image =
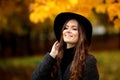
point(23, 62)
point(108, 64)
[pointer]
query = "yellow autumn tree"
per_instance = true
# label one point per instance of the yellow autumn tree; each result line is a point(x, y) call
point(112, 9)
point(42, 9)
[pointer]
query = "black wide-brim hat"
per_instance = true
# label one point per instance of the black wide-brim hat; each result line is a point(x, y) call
point(61, 18)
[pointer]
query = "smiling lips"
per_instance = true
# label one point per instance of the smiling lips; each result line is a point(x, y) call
point(68, 36)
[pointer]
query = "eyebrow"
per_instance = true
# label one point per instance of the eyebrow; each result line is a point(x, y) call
point(72, 26)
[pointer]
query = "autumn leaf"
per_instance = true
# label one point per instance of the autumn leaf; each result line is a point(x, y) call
point(42, 9)
point(117, 24)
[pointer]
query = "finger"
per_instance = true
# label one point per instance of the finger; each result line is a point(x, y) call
point(56, 42)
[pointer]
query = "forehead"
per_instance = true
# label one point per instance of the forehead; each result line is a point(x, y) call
point(72, 22)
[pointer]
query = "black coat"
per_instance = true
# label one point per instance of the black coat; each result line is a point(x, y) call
point(43, 71)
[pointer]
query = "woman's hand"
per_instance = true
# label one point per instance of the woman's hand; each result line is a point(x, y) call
point(54, 50)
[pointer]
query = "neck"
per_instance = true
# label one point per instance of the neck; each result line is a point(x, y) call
point(70, 46)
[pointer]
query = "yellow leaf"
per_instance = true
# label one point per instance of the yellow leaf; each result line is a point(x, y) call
point(73, 2)
point(33, 18)
point(101, 8)
point(117, 24)
point(112, 1)
point(113, 10)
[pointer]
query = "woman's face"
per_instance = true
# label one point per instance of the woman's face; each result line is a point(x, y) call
point(70, 33)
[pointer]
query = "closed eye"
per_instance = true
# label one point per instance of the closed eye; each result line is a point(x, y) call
point(74, 28)
point(66, 27)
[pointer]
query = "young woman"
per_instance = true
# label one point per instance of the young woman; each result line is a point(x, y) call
point(69, 58)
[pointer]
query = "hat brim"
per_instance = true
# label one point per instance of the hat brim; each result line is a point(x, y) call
point(61, 18)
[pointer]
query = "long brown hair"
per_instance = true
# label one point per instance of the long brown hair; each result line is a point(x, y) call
point(76, 69)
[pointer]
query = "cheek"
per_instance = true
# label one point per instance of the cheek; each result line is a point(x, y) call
point(63, 33)
point(76, 36)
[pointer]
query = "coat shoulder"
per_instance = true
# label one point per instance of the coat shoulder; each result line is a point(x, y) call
point(90, 59)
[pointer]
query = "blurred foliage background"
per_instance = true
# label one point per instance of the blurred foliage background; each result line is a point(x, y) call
point(26, 34)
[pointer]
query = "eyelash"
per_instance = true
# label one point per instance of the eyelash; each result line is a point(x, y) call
point(72, 28)
point(75, 29)
point(65, 28)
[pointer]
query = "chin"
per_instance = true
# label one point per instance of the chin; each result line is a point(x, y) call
point(69, 42)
